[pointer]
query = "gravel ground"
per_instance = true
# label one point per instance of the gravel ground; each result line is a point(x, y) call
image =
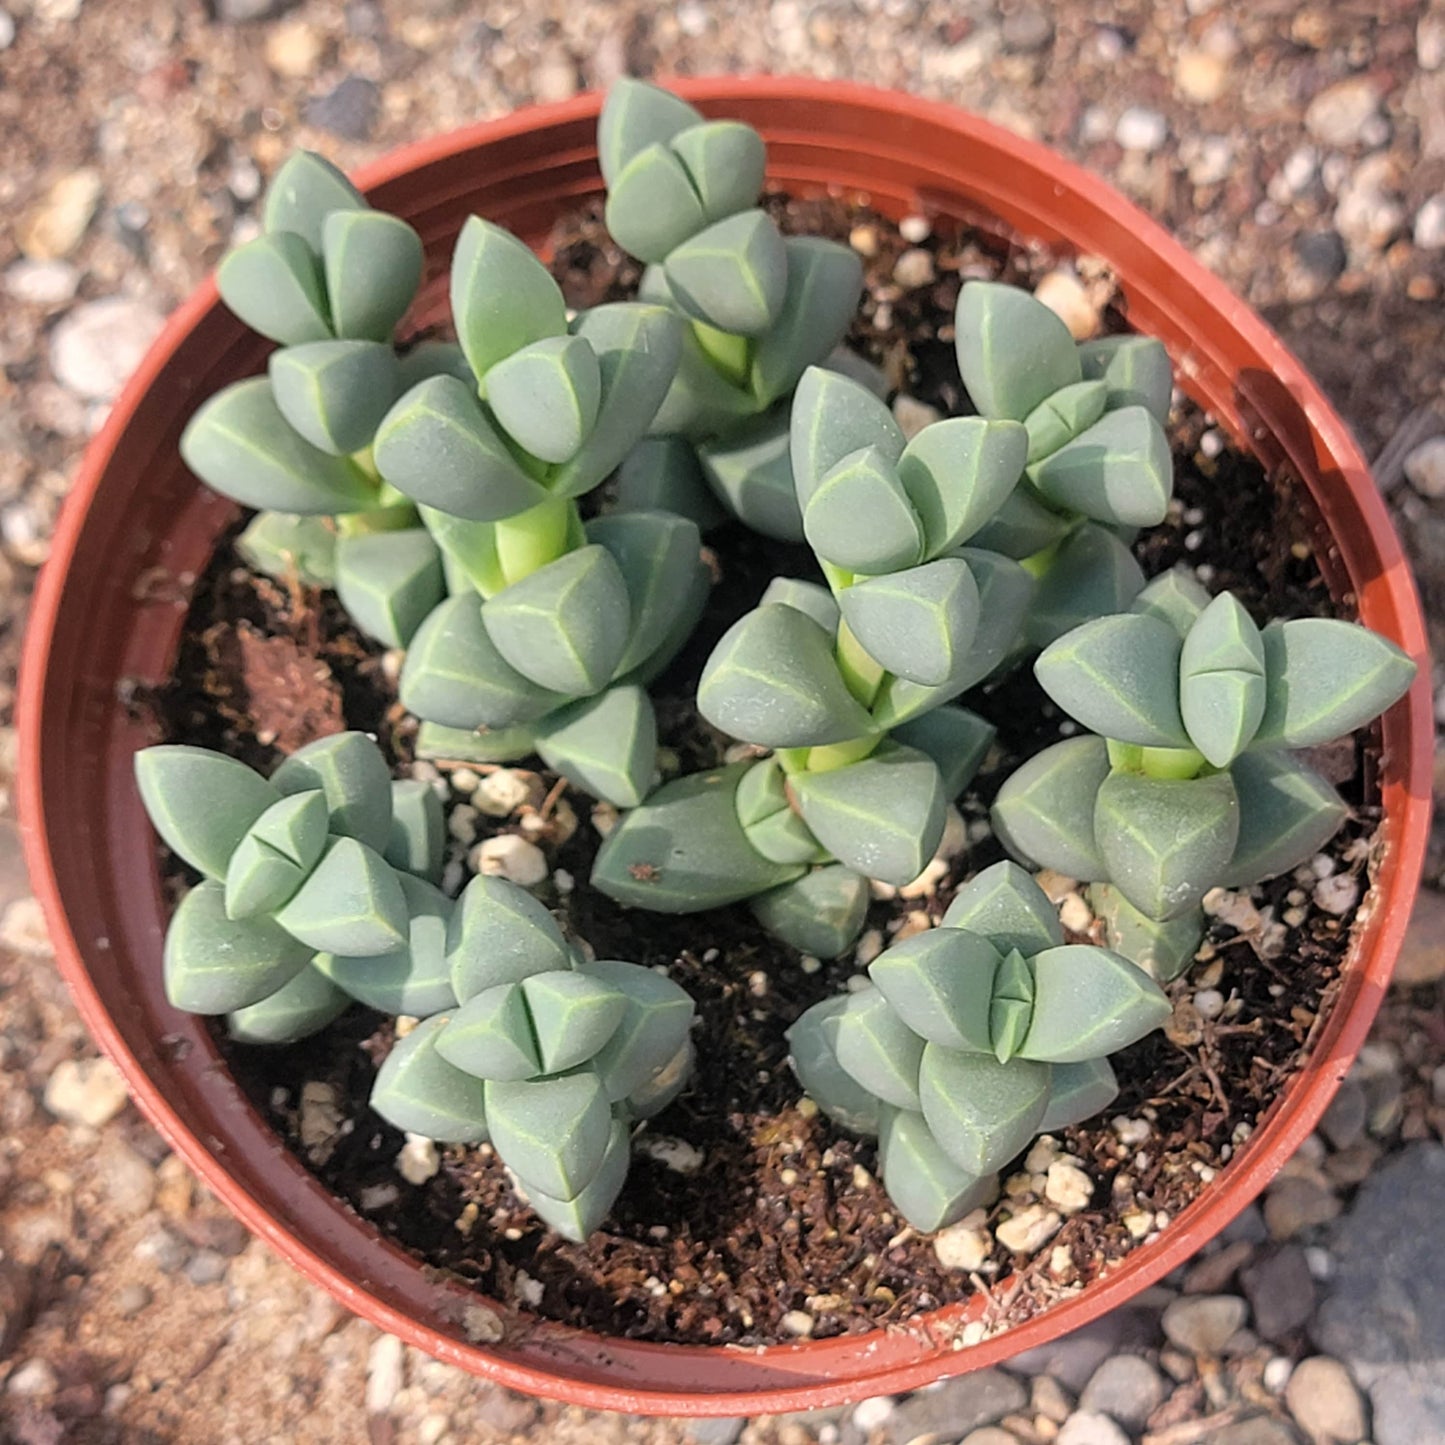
point(1299, 150)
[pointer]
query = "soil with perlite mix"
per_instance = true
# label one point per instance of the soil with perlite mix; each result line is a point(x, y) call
point(747, 1219)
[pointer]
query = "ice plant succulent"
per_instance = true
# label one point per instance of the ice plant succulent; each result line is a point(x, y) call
point(437, 491)
point(1186, 780)
point(318, 885)
point(328, 279)
point(1099, 465)
point(846, 685)
point(553, 626)
point(969, 1040)
point(759, 307)
point(549, 1057)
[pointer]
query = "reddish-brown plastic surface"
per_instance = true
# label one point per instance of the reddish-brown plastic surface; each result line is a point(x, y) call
point(135, 514)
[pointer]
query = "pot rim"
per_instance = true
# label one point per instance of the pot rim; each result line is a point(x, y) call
point(1279, 1134)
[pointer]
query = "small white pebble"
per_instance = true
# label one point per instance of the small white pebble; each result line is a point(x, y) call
point(604, 819)
point(462, 824)
point(563, 881)
point(418, 1159)
point(1075, 914)
point(809, 964)
point(973, 1333)
point(1211, 444)
point(1042, 1154)
point(871, 1414)
point(1194, 516)
point(508, 856)
point(1139, 1222)
point(501, 793)
point(858, 982)
point(1131, 1132)
point(1029, 1230)
point(1061, 1261)
point(1337, 894)
point(1322, 865)
point(1209, 1003)
point(1293, 917)
point(798, 1323)
point(675, 1154)
point(464, 780)
point(964, 1245)
point(1068, 1187)
point(869, 947)
point(915, 229)
point(527, 1289)
point(1276, 1374)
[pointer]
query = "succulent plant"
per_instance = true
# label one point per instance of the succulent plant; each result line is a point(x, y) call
point(1185, 780)
point(328, 279)
point(1099, 465)
point(318, 885)
point(437, 491)
point(759, 307)
point(969, 1040)
point(318, 889)
point(549, 1057)
point(847, 685)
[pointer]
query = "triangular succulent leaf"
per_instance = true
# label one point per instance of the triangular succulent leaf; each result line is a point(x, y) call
point(981, 1112)
point(280, 848)
point(634, 116)
point(350, 770)
point(351, 903)
point(883, 816)
point(732, 274)
point(927, 1188)
point(878, 1049)
point(773, 680)
point(653, 1027)
point(1044, 813)
point(502, 297)
point(750, 471)
point(814, 1060)
point(239, 444)
point(833, 417)
point(1078, 1092)
point(941, 983)
point(202, 803)
point(1135, 369)
point(1326, 678)
point(1089, 1002)
point(417, 1090)
point(546, 396)
point(213, 964)
point(1174, 597)
point(373, 265)
point(918, 624)
point(820, 913)
point(1012, 350)
point(552, 1133)
point(274, 284)
point(1119, 677)
point(1166, 842)
point(303, 193)
point(299, 1008)
point(1287, 813)
point(1004, 905)
point(1118, 471)
point(958, 473)
point(1162, 950)
point(499, 933)
point(1093, 574)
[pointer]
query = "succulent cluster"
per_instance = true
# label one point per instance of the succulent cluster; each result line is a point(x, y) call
point(970, 1039)
point(549, 1057)
point(758, 308)
point(1185, 780)
point(437, 488)
point(1098, 465)
point(846, 685)
point(318, 885)
point(316, 893)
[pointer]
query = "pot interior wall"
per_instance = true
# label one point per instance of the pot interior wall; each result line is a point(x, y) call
point(110, 608)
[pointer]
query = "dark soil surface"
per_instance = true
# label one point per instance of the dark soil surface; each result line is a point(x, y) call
point(782, 1213)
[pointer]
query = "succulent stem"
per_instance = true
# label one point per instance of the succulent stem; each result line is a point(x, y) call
point(839, 755)
point(531, 539)
point(1157, 762)
point(862, 674)
point(732, 355)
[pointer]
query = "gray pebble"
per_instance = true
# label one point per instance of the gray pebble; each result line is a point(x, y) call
point(957, 1406)
point(132, 1299)
point(1322, 254)
point(1127, 1388)
point(1343, 1123)
point(1425, 468)
point(349, 111)
point(207, 1267)
point(1281, 1292)
point(1090, 1428)
point(1027, 30)
point(165, 1249)
point(1204, 1323)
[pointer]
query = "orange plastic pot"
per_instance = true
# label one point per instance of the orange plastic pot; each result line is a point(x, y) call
point(136, 517)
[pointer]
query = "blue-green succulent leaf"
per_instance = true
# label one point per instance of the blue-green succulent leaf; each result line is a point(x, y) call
point(373, 265)
point(820, 913)
point(274, 284)
point(202, 803)
point(1165, 841)
point(1004, 905)
point(1044, 813)
point(417, 1090)
point(1012, 350)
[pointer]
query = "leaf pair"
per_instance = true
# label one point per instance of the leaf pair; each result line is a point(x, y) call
point(1205, 677)
point(559, 406)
